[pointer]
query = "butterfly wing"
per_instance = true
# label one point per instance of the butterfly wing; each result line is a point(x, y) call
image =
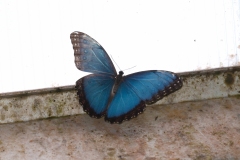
point(90, 56)
point(139, 89)
point(94, 91)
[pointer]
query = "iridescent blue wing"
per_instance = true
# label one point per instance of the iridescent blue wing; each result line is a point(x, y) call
point(94, 91)
point(138, 89)
point(90, 56)
point(118, 99)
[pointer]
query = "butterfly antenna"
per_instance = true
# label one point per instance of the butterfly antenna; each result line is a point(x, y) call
point(119, 67)
point(115, 63)
point(129, 68)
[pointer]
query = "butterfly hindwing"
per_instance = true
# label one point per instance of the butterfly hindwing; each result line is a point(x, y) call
point(94, 91)
point(138, 89)
point(90, 56)
point(125, 105)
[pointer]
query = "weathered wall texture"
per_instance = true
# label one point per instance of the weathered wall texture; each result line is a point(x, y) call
point(208, 129)
point(62, 101)
point(201, 121)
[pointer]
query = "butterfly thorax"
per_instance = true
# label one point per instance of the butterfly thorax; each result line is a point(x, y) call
point(117, 82)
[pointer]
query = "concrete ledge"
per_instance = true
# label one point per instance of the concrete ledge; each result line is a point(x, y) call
point(203, 130)
point(62, 101)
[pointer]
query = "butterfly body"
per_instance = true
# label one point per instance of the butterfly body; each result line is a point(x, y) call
point(106, 93)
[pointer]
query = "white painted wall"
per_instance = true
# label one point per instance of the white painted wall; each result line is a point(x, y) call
point(186, 35)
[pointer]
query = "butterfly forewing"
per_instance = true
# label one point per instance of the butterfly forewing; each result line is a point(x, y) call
point(90, 56)
point(157, 84)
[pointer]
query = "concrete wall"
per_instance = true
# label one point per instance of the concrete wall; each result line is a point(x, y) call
point(200, 121)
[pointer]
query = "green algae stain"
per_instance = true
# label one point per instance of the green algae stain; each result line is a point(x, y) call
point(229, 80)
point(5, 107)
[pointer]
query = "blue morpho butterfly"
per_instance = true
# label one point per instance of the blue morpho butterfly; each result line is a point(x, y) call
point(106, 93)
